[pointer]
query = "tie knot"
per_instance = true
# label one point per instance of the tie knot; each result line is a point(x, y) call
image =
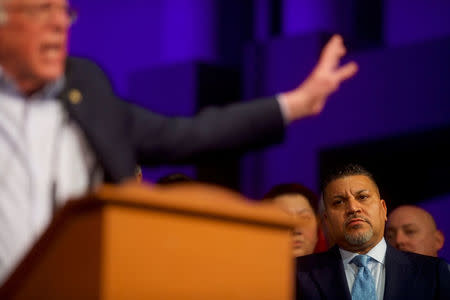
point(361, 260)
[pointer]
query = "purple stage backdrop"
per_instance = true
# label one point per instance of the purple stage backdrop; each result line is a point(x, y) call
point(152, 52)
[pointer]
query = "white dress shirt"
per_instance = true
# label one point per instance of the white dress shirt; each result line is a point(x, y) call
point(44, 160)
point(375, 265)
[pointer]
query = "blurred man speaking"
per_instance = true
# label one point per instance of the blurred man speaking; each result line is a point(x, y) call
point(34, 41)
point(63, 131)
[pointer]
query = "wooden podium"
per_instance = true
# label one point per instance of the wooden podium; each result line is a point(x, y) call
point(179, 242)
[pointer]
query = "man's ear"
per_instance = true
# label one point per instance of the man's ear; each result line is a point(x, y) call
point(439, 239)
point(383, 204)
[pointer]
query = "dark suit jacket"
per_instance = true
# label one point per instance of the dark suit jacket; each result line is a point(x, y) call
point(123, 135)
point(408, 276)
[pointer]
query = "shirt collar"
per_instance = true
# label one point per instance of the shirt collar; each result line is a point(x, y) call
point(49, 91)
point(378, 253)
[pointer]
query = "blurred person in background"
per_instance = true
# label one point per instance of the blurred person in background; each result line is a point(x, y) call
point(301, 203)
point(174, 178)
point(411, 228)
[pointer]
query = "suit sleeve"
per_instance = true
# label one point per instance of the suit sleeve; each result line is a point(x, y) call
point(232, 130)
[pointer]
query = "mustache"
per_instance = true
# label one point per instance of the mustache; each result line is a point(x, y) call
point(356, 216)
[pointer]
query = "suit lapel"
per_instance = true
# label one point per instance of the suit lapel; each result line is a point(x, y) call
point(400, 275)
point(99, 115)
point(330, 277)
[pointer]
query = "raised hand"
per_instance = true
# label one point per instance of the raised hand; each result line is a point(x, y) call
point(310, 96)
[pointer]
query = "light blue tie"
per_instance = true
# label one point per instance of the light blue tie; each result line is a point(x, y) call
point(364, 285)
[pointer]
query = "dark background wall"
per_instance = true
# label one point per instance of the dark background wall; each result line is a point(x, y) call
point(177, 56)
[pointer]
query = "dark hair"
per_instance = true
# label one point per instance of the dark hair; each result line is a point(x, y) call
point(344, 171)
point(293, 188)
point(174, 178)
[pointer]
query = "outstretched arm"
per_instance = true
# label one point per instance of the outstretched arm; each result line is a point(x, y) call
point(310, 96)
point(238, 127)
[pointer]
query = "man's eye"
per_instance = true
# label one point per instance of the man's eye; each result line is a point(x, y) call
point(410, 232)
point(363, 197)
point(337, 202)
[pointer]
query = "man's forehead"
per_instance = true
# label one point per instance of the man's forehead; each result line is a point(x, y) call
point(410, 215)
point(353, 183)
point(401, 223)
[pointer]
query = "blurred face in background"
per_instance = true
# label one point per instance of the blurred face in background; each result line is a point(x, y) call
point(305, 234)
point(410, 228)
point(354, 213)
point(33, 41)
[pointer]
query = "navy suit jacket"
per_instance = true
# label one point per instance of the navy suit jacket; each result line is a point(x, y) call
point(123, 135)
point(408, 276)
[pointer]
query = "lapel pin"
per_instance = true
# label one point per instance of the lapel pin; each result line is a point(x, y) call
point(75, 96)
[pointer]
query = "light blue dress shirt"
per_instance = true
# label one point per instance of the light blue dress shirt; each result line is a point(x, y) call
point(376, 266)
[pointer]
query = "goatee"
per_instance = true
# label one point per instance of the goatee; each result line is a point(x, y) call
point(358, 239)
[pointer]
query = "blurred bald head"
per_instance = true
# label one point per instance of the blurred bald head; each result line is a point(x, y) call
point(411, 228)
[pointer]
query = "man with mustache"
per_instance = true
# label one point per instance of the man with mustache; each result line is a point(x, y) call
point(362, 265)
